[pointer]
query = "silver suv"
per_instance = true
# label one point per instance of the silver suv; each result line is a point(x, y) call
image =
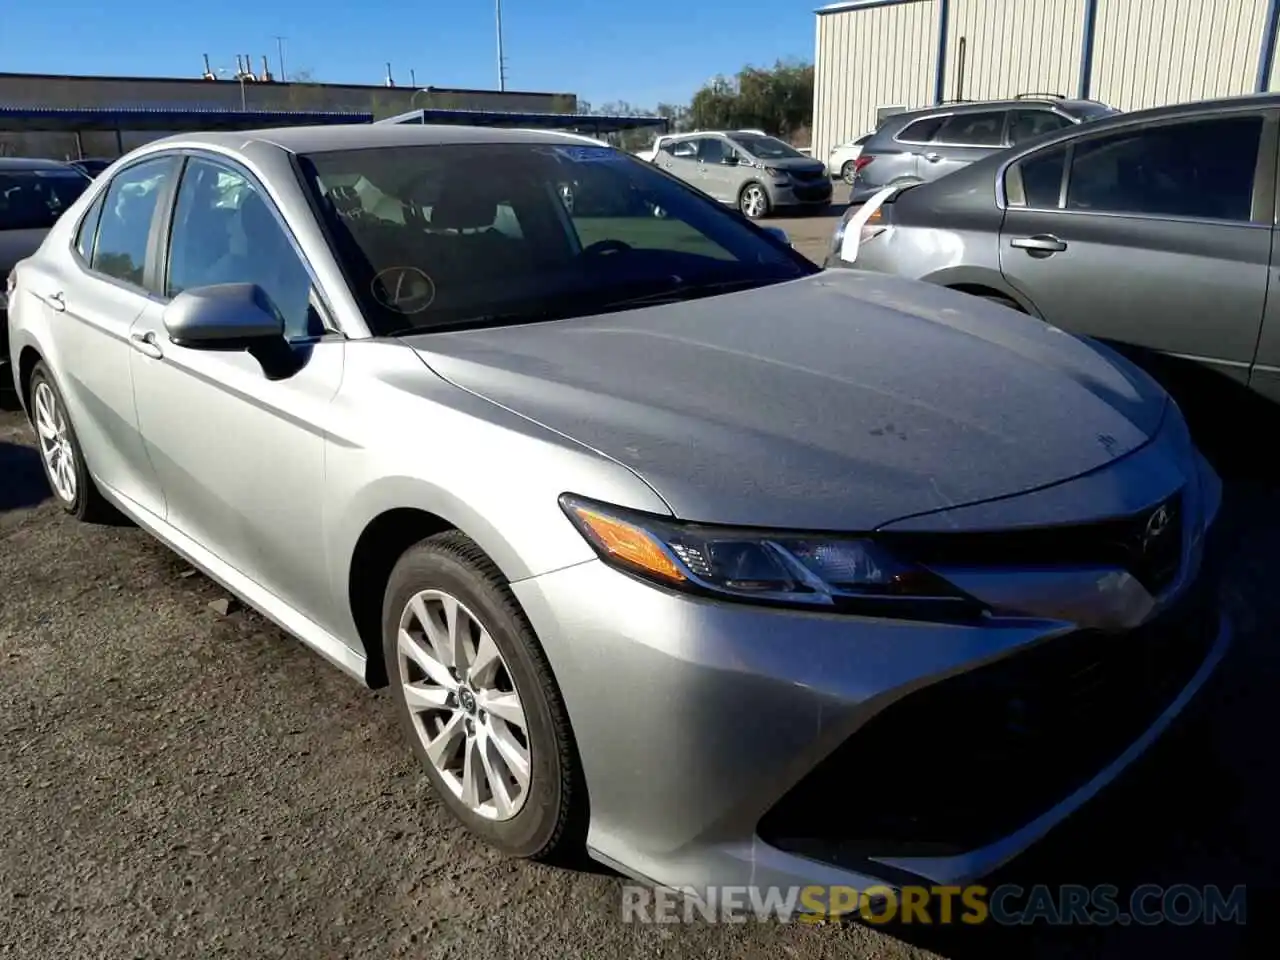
point(747, 169)
point(929, 143)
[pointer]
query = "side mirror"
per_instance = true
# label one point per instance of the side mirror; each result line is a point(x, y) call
point(225, 316)
point(778, 234)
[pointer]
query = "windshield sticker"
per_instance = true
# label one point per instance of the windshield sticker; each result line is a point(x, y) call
point(590, 154)
point(405, 290)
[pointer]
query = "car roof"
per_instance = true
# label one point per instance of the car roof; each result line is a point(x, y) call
point(320, 139)
point(982, 106)
point(31, 163)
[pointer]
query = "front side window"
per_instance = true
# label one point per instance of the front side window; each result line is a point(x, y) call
point(1203, 169)
point(35, 199)
point(466, 234)
point(1028, 124)
point(127, 212)
point(973, 129)
point(224, 231)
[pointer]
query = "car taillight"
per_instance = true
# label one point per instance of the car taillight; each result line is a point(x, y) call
point(875, 225)
point(861, 162)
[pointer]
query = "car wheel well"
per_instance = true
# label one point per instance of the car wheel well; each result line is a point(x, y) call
point(27, 361)
point(987, 293)
point(379, 548)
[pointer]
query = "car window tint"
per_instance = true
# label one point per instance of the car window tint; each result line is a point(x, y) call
point(922, 131)
point(89, 230)
point(35, 199)
point(121, 249)
point(711, 150)
point(1042, 178)
point(1028, 124)
point(1202, 169)
point(973, 129)
point(224, 231)
point(687, 149)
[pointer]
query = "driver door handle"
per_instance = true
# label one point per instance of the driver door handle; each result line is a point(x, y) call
point(1041, 243)
point(933, 157)
point(145, 343)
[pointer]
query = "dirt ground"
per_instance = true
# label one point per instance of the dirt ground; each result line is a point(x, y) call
point(180, 783)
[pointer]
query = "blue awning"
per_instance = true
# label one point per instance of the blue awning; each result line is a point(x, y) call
point(70, 119)
point(582, 123)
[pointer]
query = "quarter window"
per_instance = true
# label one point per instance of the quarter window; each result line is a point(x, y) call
point(973, 129)
point(89, 230)
point(1029, 124)
point(125, 224)
point(922, 131)
point(1202, 169)
point(1042, 179)
point(224, 231)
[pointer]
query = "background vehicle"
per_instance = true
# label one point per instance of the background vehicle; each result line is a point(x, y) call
point(558, 472)
point(1153, 230)
point(934, 141)
point(752, 171)
point(91, 166)
point(843, 161)
point(33, 194)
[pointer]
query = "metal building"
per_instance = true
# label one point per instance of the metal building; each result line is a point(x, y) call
point(878, 56)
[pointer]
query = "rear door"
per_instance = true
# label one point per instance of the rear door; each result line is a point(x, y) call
point(680, 158)
point(1155, 235)
point(960, 140)
point(715, 176)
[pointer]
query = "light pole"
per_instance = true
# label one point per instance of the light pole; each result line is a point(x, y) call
point(502, 65)
point(280, 53)
point(239, 75)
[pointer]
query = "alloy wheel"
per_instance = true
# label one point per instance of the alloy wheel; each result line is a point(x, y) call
point(849, 172)
point(464, 705)
point(55, 442)
point(754, 202)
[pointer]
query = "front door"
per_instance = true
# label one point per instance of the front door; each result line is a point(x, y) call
point(1155, 237)
point(241, 456)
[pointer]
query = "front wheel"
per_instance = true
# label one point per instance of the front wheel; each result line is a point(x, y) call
point(478, 701)
point(754, 201)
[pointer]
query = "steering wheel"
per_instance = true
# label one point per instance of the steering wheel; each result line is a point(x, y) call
point(603, 248)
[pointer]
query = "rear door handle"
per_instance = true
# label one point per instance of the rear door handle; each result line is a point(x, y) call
point(57, 301)
point(1042, 243)
point(145, 343)
point(933, 157)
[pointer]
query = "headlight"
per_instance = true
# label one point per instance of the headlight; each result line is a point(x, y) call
point(816, 571)
point(775, 172)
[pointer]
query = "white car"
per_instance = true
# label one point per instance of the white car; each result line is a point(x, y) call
point(843, 160)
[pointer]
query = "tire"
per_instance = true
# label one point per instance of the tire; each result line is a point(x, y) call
point(550, 819)
point(72, 486)
point(849, 172)
point(753, 201)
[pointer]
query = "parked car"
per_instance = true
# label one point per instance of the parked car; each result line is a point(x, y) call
point(752, 171)
point(33, 194)
point(932, 142)
point(1151, 229)
point(91, 166)
point(662, 537)
point(843, 160)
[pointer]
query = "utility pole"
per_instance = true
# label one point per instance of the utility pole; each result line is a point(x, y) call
point(280, 53)
point(502, 61)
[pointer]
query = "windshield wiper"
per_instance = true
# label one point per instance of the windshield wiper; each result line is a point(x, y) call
point(690, 291)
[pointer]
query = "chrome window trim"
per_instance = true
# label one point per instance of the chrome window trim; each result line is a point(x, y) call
point(1004, 134)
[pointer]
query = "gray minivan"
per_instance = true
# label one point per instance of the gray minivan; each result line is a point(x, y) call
point(747, 169)
point(931, 142)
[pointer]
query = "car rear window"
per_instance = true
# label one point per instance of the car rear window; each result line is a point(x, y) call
point(34, 199)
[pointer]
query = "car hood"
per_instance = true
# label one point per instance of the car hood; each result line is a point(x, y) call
point(796, 165)
point(17, 245)
point(841, 401)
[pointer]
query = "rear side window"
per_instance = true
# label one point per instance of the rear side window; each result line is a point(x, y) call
point(1202, 169)
point(1029, 124)
point(922, 131)
point(688, 149)
point(973, 129)
point(125, 226)
point(711, 150)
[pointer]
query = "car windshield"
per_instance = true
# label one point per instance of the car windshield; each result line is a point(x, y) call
point(34, 199)
point(765, 148)
point(455, 235)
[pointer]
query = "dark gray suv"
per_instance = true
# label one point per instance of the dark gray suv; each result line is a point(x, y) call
point(929, 143)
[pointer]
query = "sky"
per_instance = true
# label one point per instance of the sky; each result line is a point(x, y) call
point(642, 52)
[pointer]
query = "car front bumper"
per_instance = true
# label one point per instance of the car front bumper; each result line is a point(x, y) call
point(727, 744)
point(802, 194)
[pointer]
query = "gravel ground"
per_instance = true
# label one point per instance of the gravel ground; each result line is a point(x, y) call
point(178, 783)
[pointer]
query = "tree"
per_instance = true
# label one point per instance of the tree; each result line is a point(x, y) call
point(778, 100)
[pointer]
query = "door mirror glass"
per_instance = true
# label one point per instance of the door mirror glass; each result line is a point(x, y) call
point(225, 316)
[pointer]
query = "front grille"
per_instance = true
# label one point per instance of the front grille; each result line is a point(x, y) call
point(1148, 547)
point(811, 191)
point(966, 761)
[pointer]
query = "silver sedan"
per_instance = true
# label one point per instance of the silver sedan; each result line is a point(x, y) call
point(668, 543)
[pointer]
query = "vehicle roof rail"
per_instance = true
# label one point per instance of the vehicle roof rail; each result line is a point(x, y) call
point(1040, 96)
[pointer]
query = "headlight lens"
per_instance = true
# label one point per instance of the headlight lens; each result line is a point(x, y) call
point(853, 574)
